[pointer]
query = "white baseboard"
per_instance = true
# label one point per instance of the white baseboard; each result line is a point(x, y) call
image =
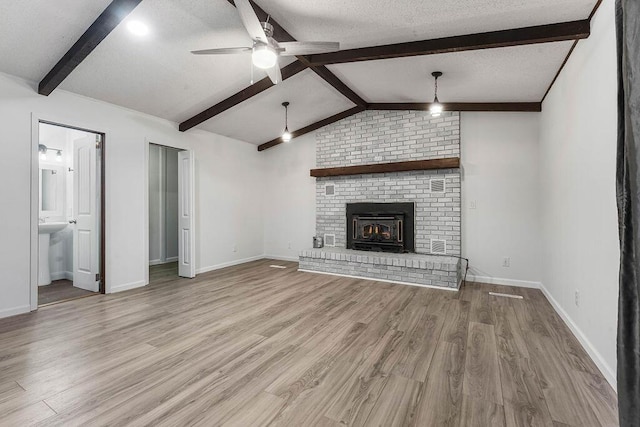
point(609, 374)
point(160, 262)
point(503, 282)
point(283, 258)
point(68, 275)
point(126, 287)
point(228, 264)
point(14, 311)
point(442, 288)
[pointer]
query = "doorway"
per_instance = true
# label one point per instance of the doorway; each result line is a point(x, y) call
point(70, 224)
point(170, 213)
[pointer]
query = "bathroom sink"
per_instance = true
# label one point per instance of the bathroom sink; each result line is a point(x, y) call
point(51, 227)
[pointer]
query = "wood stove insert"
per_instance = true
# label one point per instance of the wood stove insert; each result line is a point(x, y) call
point(381, 227)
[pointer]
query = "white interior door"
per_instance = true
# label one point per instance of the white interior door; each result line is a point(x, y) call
point(85, 211)
point(186, 220)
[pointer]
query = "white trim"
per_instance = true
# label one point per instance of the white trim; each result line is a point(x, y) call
point(609, 374)
point(64, 121)
point(229, 264)
point(283, 258)
point(442, 288)
point(145, 230)
point(127, 286)
point(504, 282)
point(68, 275)
point(34, 208)
point(7, 312)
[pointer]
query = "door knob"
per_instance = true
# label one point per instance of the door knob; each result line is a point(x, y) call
point(72, 221)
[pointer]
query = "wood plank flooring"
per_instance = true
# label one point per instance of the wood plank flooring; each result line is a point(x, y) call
point(60, 290)
point(252, 345)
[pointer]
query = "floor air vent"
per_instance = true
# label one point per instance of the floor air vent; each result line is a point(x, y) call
point(277, 266)
point(498, 294)
point(438, 246)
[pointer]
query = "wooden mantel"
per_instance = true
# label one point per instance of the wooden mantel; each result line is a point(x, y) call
point(414, 165)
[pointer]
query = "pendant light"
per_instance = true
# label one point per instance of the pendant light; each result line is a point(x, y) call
point(436, 108)
point(286, 135)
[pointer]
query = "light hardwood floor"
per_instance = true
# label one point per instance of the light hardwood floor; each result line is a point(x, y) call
point(252, 345)
point(60, 290)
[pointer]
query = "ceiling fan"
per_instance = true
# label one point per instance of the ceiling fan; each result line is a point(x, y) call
point(266, 49)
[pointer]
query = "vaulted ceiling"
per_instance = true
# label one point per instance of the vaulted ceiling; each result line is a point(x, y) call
point(158, 75)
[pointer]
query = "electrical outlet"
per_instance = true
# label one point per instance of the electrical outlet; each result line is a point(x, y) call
point(472, 204)
point(577, 298)
point(506, 262)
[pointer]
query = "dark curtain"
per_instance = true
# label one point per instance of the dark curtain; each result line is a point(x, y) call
point(628, 198)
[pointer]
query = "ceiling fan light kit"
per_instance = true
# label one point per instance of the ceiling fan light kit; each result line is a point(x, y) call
point(264, 56)
point(266, 50)
point(436, 107)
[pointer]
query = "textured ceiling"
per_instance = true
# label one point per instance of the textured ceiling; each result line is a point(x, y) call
point(35, 34)
point(513, 74)
point(359, 23)
point(157, 74)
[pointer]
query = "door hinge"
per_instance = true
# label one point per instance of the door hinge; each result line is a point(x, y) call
point(98, 140)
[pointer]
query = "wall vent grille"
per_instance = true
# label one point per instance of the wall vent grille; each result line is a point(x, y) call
point(438, 246)
point(437, 185)
point(330, 240)
point(329, 190)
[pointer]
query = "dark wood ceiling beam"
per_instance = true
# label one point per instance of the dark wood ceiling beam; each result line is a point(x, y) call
point(338, 85)
point(290, 70)
point(98, 31)
point(459, 106)
point(514, 37)
point(235, 99)
point(312, 127)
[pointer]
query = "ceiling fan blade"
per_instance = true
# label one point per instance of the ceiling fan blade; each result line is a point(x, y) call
point(274, 74)
point(222, 51)
point(251, 21)
point(307, 48)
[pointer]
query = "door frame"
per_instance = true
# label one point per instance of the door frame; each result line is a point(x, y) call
point(35, 199)
point(147, 143)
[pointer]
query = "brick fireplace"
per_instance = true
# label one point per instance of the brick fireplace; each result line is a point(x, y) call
point(380, 137)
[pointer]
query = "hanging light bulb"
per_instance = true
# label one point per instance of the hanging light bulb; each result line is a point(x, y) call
point(59, 156)
point(42, 149)
point(264, 56)
point(286, 135)
point(436, 107)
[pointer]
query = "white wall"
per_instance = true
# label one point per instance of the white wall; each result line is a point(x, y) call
point(577, 191)
point(499, 154)
point(290, 197)
point(228, 187)
point(499, 158)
